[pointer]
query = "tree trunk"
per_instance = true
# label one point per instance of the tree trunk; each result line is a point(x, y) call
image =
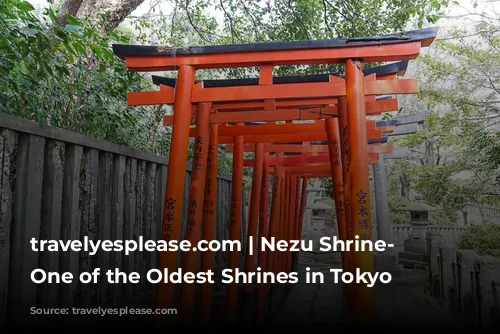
point(68, 7)
point(430, 152)
point(405, 186)
point(113, 11)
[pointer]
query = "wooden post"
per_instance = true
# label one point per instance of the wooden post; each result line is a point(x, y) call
point(345, 159)
point(263, 233)
point(305, 181)
point(254, 211)
point(291, 220)
point(332, 128)
point(281, 234)
point(359, 185)
point(255, 201)
point(195, 213)
point(275, 219)
point(210, 200)
point(172, 214)
point(285, 222)
point(296, 219)
point(335, 142)
point(298, 198)
point(235, 226)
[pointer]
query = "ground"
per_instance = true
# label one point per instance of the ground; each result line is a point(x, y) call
point(400, 303)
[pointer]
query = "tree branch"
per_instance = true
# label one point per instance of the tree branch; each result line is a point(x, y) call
point(113, 12)
point(234, 33)
point(325, 17)
point(471, 14)
point(336, 10)
point(487, 126)
point(250, 15)
point(193, 25)
point(465, 36)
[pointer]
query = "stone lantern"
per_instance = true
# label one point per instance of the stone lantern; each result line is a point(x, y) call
point(319, 222)
point(319, 215)
point(415, 247)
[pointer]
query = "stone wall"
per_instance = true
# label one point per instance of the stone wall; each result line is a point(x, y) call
point(462, 282)
point(478, 214)
point(401, 232)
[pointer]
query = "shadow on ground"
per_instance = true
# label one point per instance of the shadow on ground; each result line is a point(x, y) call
point(399, 303)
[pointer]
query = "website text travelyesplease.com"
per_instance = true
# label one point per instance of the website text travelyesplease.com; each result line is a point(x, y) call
point(101, 311)
point(129, 246)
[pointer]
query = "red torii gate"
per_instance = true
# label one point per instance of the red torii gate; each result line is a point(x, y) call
point(305, 130)
point(295, 109)
point(289, 132)
point(380, 106)
point(351, 94)
point(320, 164)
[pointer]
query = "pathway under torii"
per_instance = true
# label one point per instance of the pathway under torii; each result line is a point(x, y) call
point(335, 105)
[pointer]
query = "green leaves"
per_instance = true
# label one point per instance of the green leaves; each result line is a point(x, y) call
point(72, 27)
point(195, 22)
point(66, 77)
point(484, 239)
point(455, 158)
point(23, 6)
point(72, 20)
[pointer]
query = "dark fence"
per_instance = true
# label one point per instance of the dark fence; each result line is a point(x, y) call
point(464, 284)
point(56, 184)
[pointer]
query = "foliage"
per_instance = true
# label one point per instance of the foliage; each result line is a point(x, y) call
point(67, 77)
point(328, 185)
point(484, 239)
point(195, 22)
point(454, 158)
point(396, 202)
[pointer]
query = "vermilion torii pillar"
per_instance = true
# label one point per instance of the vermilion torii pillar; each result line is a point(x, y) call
point(174, 192)
point(209, 205)
point(335, 170)
point(375, 107)
point(345, 158)
point(263, 232)
point(333, 132)
point(297, 234)
point(256, 195)
point(235, 226)
point(359, 184)
point(354, 88)
point(255, 202)
point(195, 207)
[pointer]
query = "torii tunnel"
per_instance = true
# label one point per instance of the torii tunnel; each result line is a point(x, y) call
point(323, 131)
